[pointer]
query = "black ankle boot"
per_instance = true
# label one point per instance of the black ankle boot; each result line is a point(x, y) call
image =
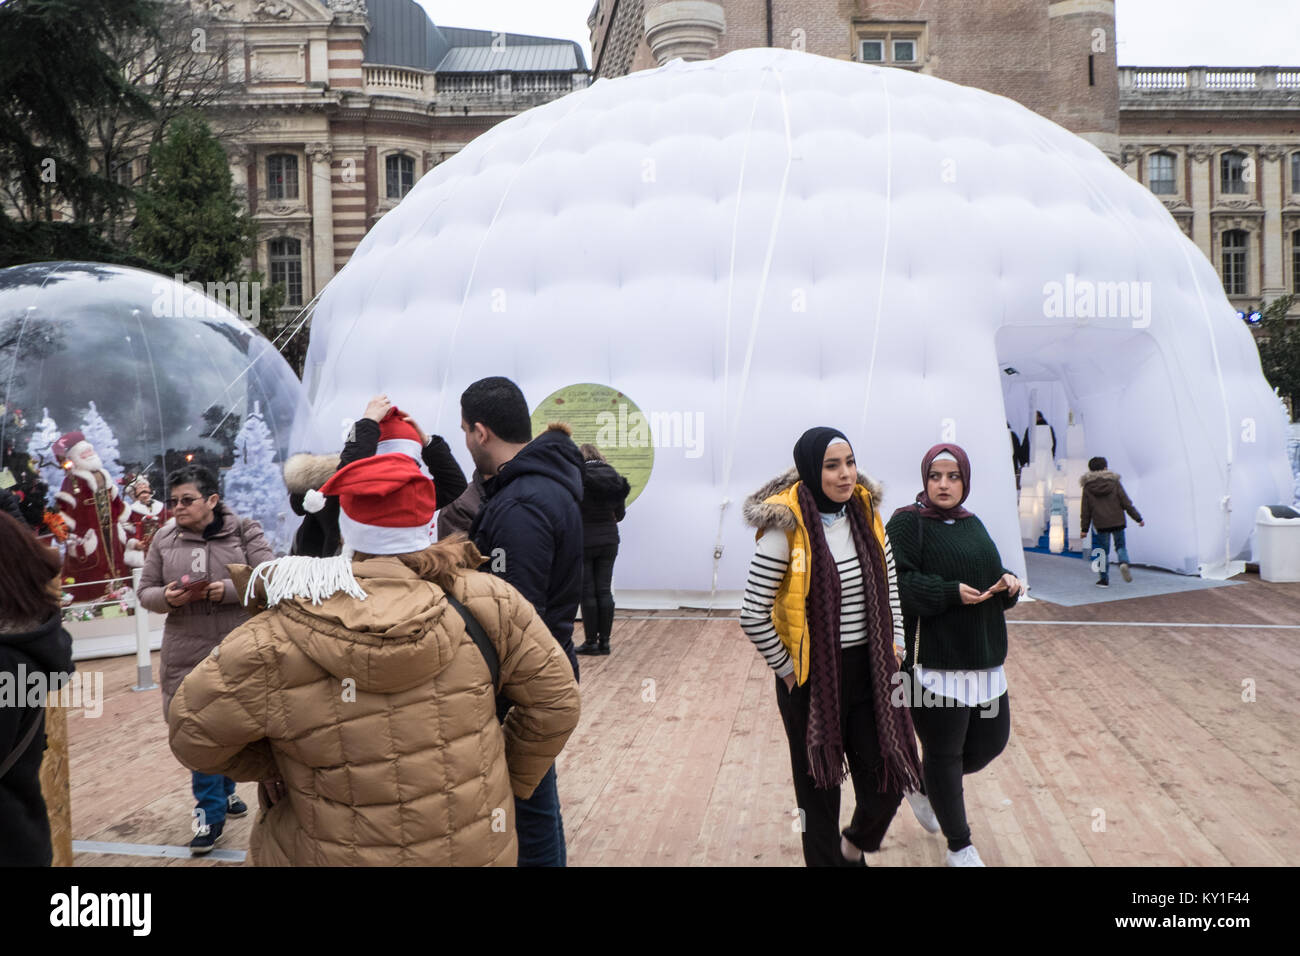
point(590, 647)
point(604, 646)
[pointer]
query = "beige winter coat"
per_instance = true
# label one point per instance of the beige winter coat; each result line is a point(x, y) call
point(380, 717)
point(193, 629)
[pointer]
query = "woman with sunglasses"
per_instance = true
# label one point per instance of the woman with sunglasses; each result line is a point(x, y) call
point(185, 577)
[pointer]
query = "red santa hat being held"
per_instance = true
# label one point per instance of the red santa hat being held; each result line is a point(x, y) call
point(386, 506)
point(395, 435)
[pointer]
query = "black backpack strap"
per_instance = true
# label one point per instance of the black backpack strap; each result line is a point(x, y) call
point(480, 638)
point(24, 743)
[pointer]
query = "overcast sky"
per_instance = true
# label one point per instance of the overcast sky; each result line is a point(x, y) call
point(1151, 32)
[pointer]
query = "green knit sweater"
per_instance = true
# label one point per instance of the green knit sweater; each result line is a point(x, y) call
point(954, 636)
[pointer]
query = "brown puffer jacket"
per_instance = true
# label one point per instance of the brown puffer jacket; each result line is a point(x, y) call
point(379, 715)
point(1104, 502)
point(193, 629)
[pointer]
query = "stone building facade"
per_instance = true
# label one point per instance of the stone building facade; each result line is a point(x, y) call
point(1220, 147)
point(351, 102)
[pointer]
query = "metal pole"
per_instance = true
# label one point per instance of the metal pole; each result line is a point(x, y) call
point(144, 666)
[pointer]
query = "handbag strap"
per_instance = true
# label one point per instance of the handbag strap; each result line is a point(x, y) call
point(480, 638)
point(23, 744)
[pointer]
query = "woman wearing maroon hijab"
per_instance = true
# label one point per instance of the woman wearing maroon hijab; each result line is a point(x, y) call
point(954, 591)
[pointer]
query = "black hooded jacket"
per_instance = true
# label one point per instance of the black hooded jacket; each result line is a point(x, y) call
point(604, 492)
point(530, 530)
point(24, 825)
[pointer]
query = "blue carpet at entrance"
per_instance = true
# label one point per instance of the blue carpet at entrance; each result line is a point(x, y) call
point(1071, 581)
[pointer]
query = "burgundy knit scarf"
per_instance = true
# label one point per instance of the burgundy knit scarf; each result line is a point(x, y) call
point(825, 742)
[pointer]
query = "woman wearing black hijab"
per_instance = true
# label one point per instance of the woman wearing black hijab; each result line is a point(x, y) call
point(954, 591)
point(822, 607)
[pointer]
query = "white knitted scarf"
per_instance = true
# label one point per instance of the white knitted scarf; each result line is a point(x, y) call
point(299, 576)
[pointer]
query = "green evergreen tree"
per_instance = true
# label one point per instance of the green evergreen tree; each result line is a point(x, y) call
point(1279, 351)
point(188, 220)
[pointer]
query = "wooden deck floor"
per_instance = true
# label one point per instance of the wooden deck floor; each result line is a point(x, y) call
point(1130, 745)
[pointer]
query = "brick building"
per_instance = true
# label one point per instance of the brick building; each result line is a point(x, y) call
point(1220, 147)
point(353, 101)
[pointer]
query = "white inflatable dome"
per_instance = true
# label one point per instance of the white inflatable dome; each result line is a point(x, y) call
point(773, 240)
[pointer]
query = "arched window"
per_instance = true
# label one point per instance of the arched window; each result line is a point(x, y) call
point(1234, 261)
point(1232, 173)
point(400, 170)
point(1163, 180)
point(282, 176)
point(1295, 259)
point(286, 267)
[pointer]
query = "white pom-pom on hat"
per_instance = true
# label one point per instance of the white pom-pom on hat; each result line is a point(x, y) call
point(313, 501)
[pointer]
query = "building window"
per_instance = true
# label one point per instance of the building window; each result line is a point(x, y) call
point(286, 268)
point(1164, 181)
point(1295, 174)
point(1295, 261)
point(891, 44)
point(282, 176)
point(1234, 262)
point(1232, 168)
point(400, 171)
point(124, 173)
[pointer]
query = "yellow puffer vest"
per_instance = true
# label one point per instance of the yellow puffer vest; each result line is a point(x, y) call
point(789, 615)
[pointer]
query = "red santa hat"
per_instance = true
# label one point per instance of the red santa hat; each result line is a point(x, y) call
point(386, 504)
point(396, 435)
point(65, 444)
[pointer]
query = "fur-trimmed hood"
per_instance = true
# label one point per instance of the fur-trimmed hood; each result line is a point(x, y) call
point(1101, 478)
point(758, 513)
point(302, 473)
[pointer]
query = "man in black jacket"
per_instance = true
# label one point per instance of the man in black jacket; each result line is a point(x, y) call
point(318, 536)
point(530, 530)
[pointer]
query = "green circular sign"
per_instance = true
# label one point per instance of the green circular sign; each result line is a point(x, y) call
point(604, 417)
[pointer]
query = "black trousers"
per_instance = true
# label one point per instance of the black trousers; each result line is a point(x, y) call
point(820, 809)
point(597, 596)
point(957, 740)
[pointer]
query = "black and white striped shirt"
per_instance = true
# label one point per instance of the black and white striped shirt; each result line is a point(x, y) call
point(768, 569)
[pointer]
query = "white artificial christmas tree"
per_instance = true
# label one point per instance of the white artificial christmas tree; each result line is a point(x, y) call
point(100, 435)
point(41, 452)
point(254, 486)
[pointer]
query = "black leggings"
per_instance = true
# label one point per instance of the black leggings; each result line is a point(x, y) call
point(820, 809)
point(597, 597)
point(957, 740)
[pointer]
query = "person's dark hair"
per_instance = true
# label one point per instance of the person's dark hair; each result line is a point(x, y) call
point(195, 475)
point(1097, 464)
point(591, 453)
point(30, 572)
point(498, 403)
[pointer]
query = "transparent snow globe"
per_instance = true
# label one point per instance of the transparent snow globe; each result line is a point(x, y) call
point(155, 373)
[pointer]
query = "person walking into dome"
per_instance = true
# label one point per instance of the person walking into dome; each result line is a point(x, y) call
point(382, 428)
point(821, 606)
point(1103, 506)
point(604, 498)
point(954, 593)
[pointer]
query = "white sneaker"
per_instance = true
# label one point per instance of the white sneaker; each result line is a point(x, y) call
point(920, 804)
point(967, 856)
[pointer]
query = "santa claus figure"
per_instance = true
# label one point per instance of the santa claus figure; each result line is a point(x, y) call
point(92, 509)
point(142, 518)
